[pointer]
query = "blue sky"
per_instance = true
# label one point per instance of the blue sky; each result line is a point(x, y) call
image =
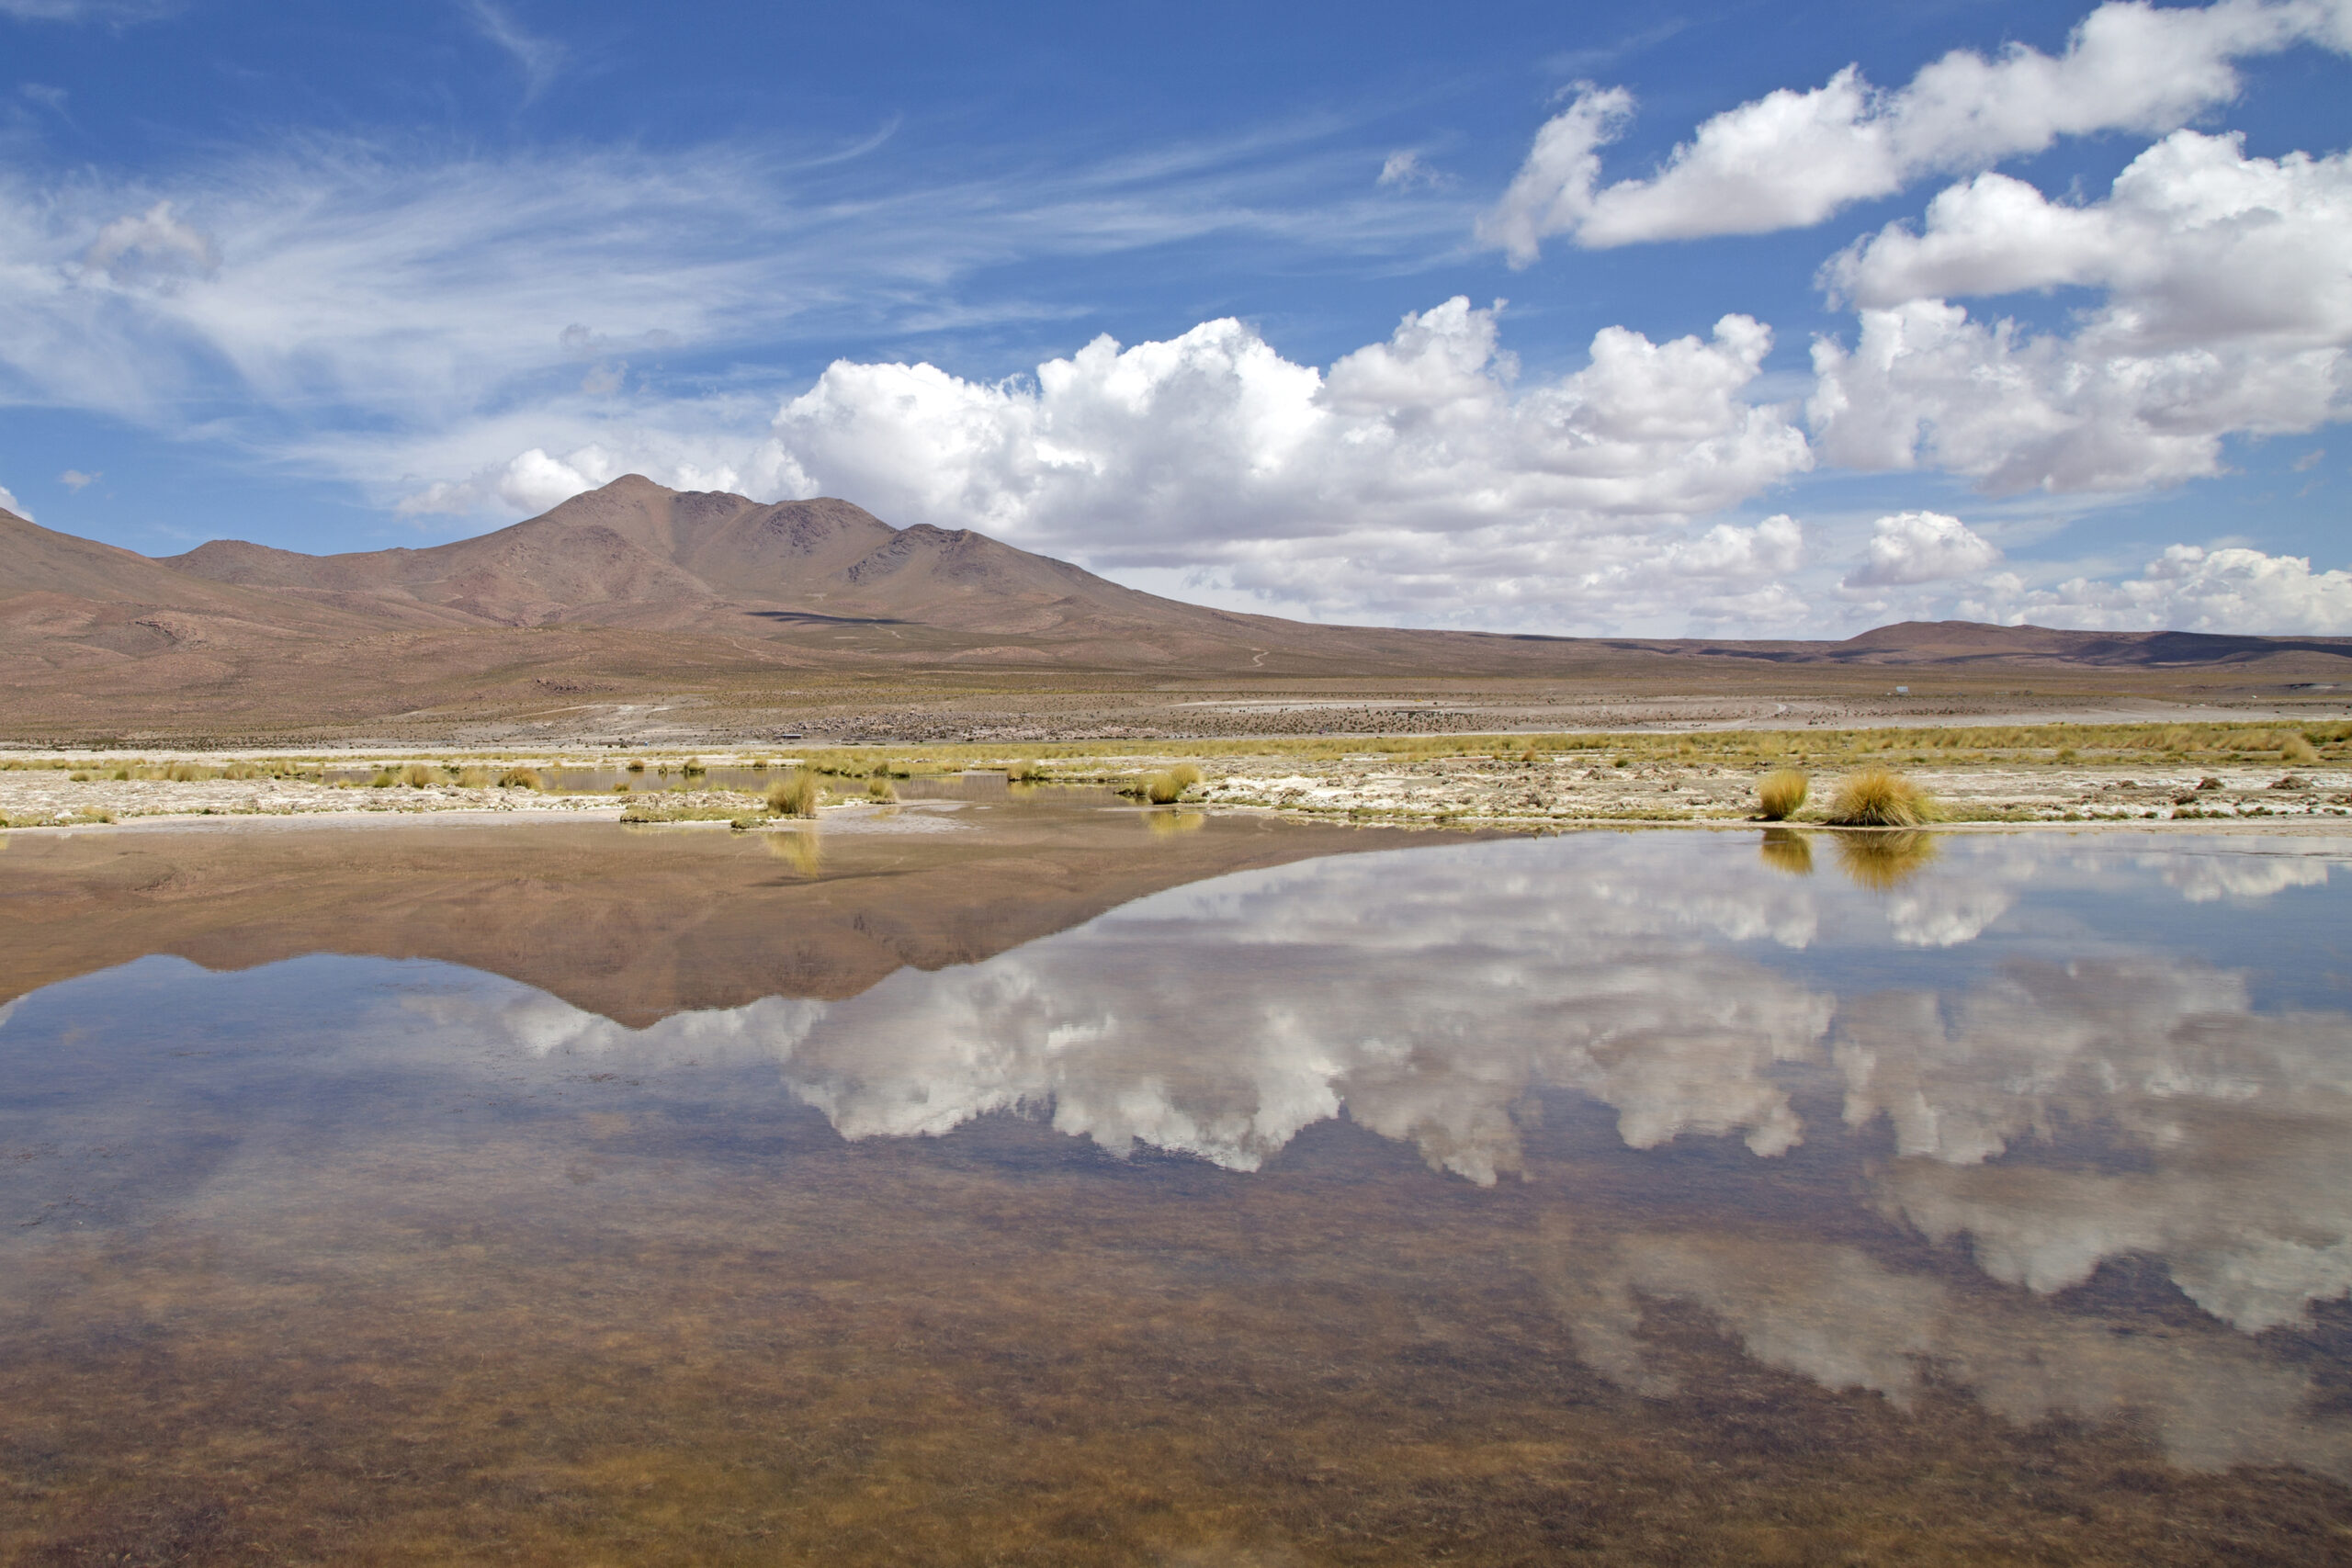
point(1731, 319)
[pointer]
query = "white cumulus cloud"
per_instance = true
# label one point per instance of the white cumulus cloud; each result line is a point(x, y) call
point(1418, 479)
point(2227, 308)
point(2185, 589)
point(1921, 547)
point(1415, 474)
point(1791, 159)
point(8, 502)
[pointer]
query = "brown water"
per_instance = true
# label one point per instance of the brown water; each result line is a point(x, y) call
point(1658, 1197)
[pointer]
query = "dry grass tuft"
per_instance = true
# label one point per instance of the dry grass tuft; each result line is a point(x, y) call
point(186, 772)
point(2296, 748)
point(416, 775)
point(244, 770)
point(879, 787)
point(520, 778)
point(1780, 792)
point(1167, 787)
point(1027, 771)
point(1882, 862)
point(1880, 797)
point(473, 778)
point(798, 793)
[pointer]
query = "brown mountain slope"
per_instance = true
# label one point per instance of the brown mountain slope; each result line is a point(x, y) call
point(636, 593)
point(634, 554)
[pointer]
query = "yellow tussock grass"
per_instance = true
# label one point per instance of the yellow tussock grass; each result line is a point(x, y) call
point(1780, 792)
point(796, 793)
point(1880, 797)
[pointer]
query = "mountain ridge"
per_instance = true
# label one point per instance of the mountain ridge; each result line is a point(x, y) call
point(636, 587)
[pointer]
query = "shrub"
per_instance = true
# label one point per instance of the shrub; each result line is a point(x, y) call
point(1025, 772)
point(691, 768)
point(519, 778)
point(637, 764)
point(1167, 787)
point(1880, 797)
point(416, 775)
point(186, 772)
point(2298, 748)
point(879, 787)
point(473, 778)
point(1780, 792)
point(798, 793)
point(79, 775)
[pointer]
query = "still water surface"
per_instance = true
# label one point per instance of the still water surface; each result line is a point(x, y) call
point(1614, 1197)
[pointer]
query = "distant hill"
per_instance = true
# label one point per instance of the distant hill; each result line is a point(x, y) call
point(635, 588)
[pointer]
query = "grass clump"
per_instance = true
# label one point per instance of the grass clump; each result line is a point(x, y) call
point(1880, 797)
point(1027, 771)
point(2296, 748)
point(1780, 792)
point(186, 772)
point(1167, 786)
point(473, 778)
point(520, 778)
point(244, 770)
point(879, 787)
point(798, 793)
point(416, 775)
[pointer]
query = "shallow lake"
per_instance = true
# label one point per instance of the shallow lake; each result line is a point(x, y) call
point(1659, 1196)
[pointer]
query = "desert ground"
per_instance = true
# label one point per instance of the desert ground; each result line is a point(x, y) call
point(2058, 771)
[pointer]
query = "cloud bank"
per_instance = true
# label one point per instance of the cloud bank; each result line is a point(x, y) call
point(1792, 159)
point(2227, 310)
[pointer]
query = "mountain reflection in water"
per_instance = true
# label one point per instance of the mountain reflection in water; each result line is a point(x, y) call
point(2057, 1126)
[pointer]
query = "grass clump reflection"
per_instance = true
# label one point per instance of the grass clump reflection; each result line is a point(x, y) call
point(1788, 852)
point(1882, 862)
point(803, 850)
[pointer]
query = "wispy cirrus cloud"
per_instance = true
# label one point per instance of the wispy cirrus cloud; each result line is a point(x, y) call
point(541, 58)
point(116, 12)
point(342, 282)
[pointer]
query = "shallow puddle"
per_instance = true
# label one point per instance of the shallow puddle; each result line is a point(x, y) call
point(1640, 1196)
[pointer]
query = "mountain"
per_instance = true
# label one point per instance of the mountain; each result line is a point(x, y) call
point(636, 555)
point(634, 593)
